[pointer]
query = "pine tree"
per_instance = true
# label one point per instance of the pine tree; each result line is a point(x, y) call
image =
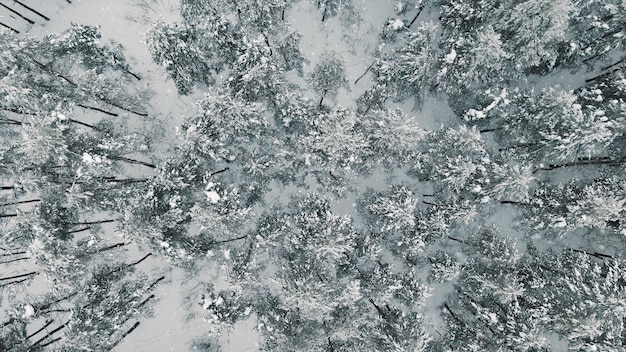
point(408, 71)
point(328, 76)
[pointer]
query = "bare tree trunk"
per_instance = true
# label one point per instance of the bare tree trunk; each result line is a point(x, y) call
point(21, 202)
point(18, 276)
point(128, 332)
point(364, 73)
point(97, 109)
point(15, 260)
point(219, 172)
point(40, 329)
point(378, 309)
point(93, 222)
point(38, 342)
point(602, 161)
point(445, 305)
point(9, 27)
point(132, 161)
point(229, 240)
point(322, 98)
point(614, 64)
point(13, 253)
point(31, 10)
point(18, 14)
point(416, 16)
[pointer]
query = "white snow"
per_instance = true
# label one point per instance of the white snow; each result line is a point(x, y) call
point(397, 24)
point(307, 159)
point(399, 8)
point(212, 196)
point(451, 56)
point(207, 303)
point(29, 311)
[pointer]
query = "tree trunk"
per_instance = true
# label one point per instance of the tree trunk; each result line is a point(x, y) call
point(229, 240)
point(40, 329)
point(20, 202)
point(490, 129)
point(140, 260)
point(152, 285)
point(416, 16)
point(456, 239)
point(445, 305)
point(113, 246)
point(97, 109)
point(38, 342)
point(589, 80)
point(219, 172)
point(143, 303)
point(31, 10)
point(267, 42)
point(18, 14)
point(75, 85)
point(600, 161)
point(13, 253)
point(614, 64)
point(366, 71)
point(80, 230)
point(14, 260)
point(322, 98)
point(128, 332)
point(594, 254)
point(509, 202)
point(13, 283)
point(93, 222)
point(9, 27)
point(378, 309)
point(18, 276)
point(132, 161)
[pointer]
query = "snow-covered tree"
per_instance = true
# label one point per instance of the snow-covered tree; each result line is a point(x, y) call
point(477, 62)
point(40, 76)
point(552, 127)
point(328, 76)
point(532, 30)
point(455, 160)
point(408, 71)
point(288, 47)
point(185, 63)
point(597, 33)
point(393, 136)
point(587, 299)
point(255, 75)
point(595, 205)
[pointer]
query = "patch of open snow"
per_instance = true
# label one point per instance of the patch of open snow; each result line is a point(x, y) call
point(212, 196)
point(397, 24)
point(29, 311)
point(451, 56)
